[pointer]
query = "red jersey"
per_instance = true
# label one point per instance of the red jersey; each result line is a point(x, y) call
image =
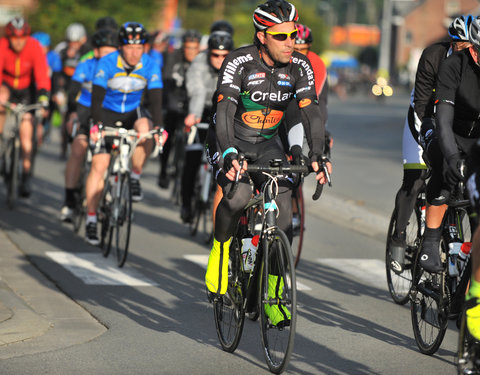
point(18, 70)
point(319, 71)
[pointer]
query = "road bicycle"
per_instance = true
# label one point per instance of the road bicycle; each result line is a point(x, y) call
point(203, 192)
point(115, 210)
point(271, 279)
point(437, 297)
point(400, 284)
point(11, 152)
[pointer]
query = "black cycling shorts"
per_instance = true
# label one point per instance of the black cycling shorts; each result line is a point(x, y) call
point(23, 96)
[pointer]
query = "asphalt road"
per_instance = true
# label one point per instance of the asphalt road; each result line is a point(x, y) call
point(155, 311)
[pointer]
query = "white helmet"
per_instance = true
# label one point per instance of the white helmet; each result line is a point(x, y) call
point(75, 32)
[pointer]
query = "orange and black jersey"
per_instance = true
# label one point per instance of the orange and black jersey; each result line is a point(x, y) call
point(252, 98)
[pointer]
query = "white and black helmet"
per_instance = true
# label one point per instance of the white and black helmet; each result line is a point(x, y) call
point(474, 32)
point(274, 12)
point(75, 32)
point(459, 28)
point(221, 40)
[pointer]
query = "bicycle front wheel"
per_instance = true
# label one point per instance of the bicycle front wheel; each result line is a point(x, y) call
point(429, 318)
point(123, 219)
point(13, 165)
point(228, 309)
point(277, 301)
point(298, 223)
point(400, 284)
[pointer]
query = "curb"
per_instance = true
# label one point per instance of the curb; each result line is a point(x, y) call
point(35, 316)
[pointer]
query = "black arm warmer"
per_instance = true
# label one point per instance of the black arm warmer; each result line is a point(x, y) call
point(155, 104)
point(73, 91)
point(445, 114)
point(98, 94)
point(224, 124)
point(314, 125)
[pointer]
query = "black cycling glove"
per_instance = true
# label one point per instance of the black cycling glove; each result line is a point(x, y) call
point(452, 173)
point(228, 159)
point(297, 155)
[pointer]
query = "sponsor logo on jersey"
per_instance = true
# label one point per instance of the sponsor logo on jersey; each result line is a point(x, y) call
point(278, 96)
point(258, 82)
point(302, 89)
point(100, 74)
point(307, 67)
point(258, 120)
point(232, 66)
point(235, 87)
point(284, 83)
point(304, 103)
point(283, 76)
point(256, 76)
point(220, 98)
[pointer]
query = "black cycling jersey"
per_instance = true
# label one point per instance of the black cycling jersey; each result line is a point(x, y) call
point(252, 98)
point(458, 101)
point(426, 78)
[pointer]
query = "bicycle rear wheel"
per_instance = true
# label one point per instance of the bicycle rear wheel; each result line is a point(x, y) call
point(12, 166)
point(429, 318)
point(298, 223)
point(123, 219)
point(277, 290)
point(228, 309)
point(400, 284)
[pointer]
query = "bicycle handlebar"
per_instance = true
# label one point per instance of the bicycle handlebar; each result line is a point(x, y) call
point(17, 108)
point(276, 168)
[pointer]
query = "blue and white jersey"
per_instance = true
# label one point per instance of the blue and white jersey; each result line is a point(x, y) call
point(157, 56)
point(123, 90)
point(54, 62)
point(84, 74)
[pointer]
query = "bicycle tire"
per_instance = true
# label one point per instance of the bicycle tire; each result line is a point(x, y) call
point(228, 309)
point(13, 173)
point(429, 321)
point(197, 209)
point(468, 353)
point(278, 341)
point(123, 219)
point(297, 241)
point(400, 285)
point(80, 209)
point(106, 232)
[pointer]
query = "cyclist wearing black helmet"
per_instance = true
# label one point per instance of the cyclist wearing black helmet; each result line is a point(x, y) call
point(255, 86)
point(201, 83)
point(455, 131)
point(104, 41)
point(176, 102)
point(421, 111)
point(120, 81)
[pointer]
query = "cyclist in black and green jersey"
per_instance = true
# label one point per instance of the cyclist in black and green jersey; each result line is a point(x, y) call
point(255, 86)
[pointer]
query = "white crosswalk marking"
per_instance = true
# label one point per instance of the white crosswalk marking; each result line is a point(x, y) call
point(371, 271)
point(202, 261)
point(93, 269)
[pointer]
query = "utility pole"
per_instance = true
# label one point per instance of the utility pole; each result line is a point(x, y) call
point(384, 59)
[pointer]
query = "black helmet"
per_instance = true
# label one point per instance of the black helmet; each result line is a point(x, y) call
point(220, 40)
point(191, 36)
point(272, 13)
point(106, 22)
point(105, 38)
point(132, 33)
point(221, 25)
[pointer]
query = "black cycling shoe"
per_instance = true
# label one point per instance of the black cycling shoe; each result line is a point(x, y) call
point(430, 256)
point(186, 214)
point(397, 249)
point(163, 182)
point(25, 189)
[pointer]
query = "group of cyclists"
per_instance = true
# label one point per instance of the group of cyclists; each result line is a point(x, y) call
point(261, 99)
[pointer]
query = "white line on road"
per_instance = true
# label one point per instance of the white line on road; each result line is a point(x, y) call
point(372, 271)
point(93, 269)
point(202, 261)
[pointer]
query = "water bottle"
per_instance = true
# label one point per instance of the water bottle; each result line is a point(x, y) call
point(249, 252)
point(423, 217)
point(463, 254)
point(454, 250)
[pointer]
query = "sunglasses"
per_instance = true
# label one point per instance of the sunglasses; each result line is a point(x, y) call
point(283, 36)
point(217, 55)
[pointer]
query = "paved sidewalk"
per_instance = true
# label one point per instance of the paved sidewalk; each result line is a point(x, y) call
point(35, 316)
